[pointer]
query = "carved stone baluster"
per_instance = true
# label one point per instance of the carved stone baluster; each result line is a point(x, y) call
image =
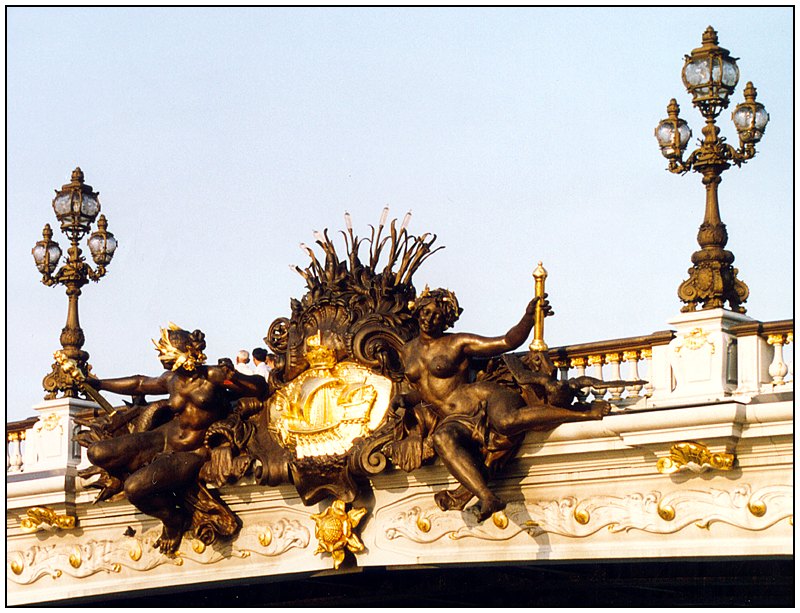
point(632, 358)
point(23, 449)
point(777, 369)
point(614, 360)
point(647, 356)
point(789, 378)
point(14, 459)
point(563, 369)
point(580, 365)
point(597, 361)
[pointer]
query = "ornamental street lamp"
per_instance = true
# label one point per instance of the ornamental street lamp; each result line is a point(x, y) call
point(710, 75)
point(76, 206)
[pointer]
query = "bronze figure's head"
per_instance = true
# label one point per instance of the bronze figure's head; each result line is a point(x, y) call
point(179, 348)
point(436, 308)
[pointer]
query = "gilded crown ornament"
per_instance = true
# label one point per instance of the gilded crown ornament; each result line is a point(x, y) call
point(317, 354)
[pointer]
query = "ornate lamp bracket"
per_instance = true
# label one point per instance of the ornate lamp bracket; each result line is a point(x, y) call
point(710, 75)
point(76, 206)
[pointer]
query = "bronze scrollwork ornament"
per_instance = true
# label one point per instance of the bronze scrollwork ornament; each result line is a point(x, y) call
point(365, 375)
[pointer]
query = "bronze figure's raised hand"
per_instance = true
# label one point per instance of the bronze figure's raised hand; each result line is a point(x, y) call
point(473, 426)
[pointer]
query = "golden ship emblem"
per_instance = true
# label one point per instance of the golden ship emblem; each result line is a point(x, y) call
point(325, 408)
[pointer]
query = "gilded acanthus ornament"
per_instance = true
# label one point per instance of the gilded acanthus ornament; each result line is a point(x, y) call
point(694, 457)
point(38, 518)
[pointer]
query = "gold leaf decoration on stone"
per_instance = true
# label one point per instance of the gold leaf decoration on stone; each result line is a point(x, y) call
point(36, 516)
point(694, 340)
point(424, 524)
point(500, 519)
point(265, 537)
point(335, 531)
point(694, 457)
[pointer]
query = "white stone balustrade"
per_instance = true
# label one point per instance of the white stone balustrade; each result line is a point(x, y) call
point(43, 459)
point(627, 359)
point(14, 442)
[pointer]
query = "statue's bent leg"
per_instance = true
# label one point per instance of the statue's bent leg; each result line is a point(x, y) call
point(126, 453)
point(156, 491)
point(460, 454)
point(509, 418)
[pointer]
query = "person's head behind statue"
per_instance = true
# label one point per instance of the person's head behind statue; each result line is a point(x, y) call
point(443, 299)
point(259, 354)
point(179, 348)
point(243, 357)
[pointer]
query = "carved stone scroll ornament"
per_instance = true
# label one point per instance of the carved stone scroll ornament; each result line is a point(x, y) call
point(81, 559)
point(652, 512)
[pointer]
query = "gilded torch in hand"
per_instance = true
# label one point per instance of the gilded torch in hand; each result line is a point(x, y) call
point(538, 344)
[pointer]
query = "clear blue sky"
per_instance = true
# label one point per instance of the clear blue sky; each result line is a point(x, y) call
point(221, 138)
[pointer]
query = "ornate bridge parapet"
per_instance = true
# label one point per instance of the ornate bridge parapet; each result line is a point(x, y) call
point(664, 474)
point(711, 355)
point(759, 360)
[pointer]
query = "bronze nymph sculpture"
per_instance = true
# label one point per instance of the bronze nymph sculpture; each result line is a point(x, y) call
point(158, 459)
point(366, 373)
point(470, 425)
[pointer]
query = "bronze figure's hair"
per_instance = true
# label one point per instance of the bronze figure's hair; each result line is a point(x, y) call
point(184, 347)
point(444, 299)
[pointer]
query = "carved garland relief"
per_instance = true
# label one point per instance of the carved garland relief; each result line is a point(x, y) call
point(651, 512)
point(422, 524)
point(694, 340)
point(83, 559)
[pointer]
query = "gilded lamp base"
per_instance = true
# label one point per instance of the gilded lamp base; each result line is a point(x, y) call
point(711, 284)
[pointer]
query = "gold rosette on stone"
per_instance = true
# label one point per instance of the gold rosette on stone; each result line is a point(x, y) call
point(335, 531)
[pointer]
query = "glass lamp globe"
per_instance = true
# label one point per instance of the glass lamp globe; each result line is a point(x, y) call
point(672, 133)
point(46, 253)
point(710, 75)
point(750, 117)
point(76, 206)
point(102, 243)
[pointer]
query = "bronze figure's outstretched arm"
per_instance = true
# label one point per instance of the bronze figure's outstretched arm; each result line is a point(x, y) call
point(133, 385)
point(487, 347)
